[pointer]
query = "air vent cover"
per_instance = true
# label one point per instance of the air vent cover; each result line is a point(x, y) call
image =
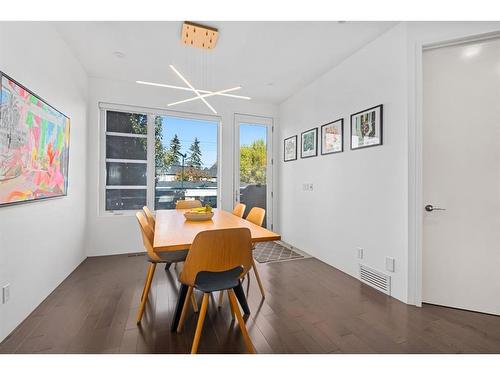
point(375, 279)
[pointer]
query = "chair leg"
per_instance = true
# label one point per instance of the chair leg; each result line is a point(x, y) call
point(221, 298)
point(151, 273)
point(199, 326)
point(185, 308)
point(167, 266)
point(193, 301)
point(146, 282)
point(258, 279)
point(233, 315)
point(241, 322)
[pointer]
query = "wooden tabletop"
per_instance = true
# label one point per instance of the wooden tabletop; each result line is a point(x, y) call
point(174, 232)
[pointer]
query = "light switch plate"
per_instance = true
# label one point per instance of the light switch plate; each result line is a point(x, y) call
point(5, 293)
point(390, 264)
point(307, 187)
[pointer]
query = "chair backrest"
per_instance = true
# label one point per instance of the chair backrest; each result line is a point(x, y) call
point(256, 215)
point(239, 209)
point(216, 251)
point(147, 235)
point(192, 203)
point(150, 217)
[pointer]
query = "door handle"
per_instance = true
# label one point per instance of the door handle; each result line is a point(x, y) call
point(430, 208)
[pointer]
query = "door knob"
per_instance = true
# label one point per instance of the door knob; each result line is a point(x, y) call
point(430, 208)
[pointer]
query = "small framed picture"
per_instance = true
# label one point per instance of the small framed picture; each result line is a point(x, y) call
point(309, 143)
point(366, 128)
point(332, 137)
point(290, 148)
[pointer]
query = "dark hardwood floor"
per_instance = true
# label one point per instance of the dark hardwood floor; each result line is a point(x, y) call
point(310, 308)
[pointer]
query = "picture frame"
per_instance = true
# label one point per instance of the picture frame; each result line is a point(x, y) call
point(367, 128)
point(309, 143)
point(290, 148)
point(332, 137)
point(38, 162)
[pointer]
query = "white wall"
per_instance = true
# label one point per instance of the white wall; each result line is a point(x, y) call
point(119, 234)
point(368, 198)
point(41, 243)
point(359, 197)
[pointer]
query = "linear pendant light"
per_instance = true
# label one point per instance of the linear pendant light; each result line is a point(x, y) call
point(200, 94)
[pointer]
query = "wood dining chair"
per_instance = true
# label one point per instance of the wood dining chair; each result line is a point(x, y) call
point(150, 217)
point(216, 261)
point(256, 216)
point(154, 258)
point(186, 204)
point(152, 222)
point(239, 209)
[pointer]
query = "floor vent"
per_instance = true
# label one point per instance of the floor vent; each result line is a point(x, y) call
point(375, 279)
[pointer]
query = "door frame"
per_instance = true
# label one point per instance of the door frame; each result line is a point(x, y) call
point(269, 123)
point(415, 159)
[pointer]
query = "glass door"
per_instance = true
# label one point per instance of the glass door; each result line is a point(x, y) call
point(253, 166)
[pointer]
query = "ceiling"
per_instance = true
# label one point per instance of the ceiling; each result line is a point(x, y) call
point(270, 60)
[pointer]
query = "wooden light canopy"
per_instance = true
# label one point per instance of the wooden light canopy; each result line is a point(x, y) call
point(200, 36)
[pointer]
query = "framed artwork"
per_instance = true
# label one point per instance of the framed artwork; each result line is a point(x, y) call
point(366, 128)
point(332, 137)
point(309, 143)
point(34, 146)
point(290, 148)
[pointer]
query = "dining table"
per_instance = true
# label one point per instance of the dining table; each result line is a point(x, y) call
point(174, 232)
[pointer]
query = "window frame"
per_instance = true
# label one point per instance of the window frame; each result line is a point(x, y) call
point(150, 183)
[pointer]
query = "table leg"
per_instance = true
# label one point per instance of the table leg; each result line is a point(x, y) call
point(240, 294)
point(178, 309)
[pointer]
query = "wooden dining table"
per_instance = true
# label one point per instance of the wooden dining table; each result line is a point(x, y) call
point(173, 232)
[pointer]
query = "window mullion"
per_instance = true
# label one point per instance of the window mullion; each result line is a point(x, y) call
point(150, 172)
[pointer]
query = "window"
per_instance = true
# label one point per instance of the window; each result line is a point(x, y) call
point(186, 161)
point(155, 159)
point(126, 160)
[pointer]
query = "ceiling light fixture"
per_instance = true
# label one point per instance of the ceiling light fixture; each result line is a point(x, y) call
point(192, 88)
point(200, 94)
point(188, 89)
point(205, 95)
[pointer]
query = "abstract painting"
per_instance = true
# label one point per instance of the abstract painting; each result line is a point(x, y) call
point(332, 137)
point(366, 128)
point(309, 143)
point(34, 146)
point(290, 148)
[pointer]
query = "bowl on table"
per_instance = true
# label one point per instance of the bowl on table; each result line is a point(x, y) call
point(198, 215)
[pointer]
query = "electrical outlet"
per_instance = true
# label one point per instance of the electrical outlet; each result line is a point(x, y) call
point(390, 264)
point(5, 293)
point(307, 187)
point(360, 252)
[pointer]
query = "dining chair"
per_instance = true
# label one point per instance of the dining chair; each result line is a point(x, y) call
point(239, 209)
point(150, 217)
point(256, 216)
point(216, 261)
point(191, 203)
point(151, 221)
point(154, 258)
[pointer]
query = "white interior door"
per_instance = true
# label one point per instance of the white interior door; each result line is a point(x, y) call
point(461, 159)
point(253, 172)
